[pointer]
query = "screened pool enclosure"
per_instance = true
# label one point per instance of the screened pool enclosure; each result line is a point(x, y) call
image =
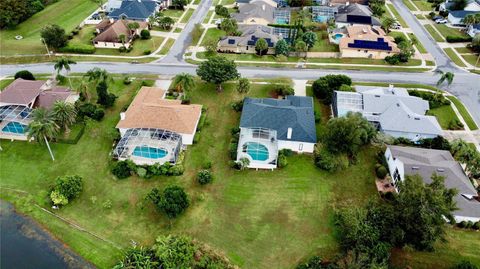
point(14, 120)
point(259, 146)
point(149, 146)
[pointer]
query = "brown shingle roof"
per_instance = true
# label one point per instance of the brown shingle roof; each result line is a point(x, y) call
point(21, 92)
point(112, 31)
point(48, 97)
point(150, 110)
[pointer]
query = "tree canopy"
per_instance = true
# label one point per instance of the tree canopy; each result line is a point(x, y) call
point(324, 87)
point(261, 46)
point(24, 74)
point(54, 36)
point(172, 201)
point(218, 70)
point(282, 47)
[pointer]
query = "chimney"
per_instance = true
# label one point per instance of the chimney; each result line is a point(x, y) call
point(289, 133)
point(122, 115)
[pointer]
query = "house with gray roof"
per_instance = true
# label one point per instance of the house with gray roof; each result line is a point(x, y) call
point(392, 110)
point(473, 30)
point(268, 125)
point(246, 42)
point(355, 14)
point(455, 17)
point(409, 161)
point(256, 12)
point(136, 10)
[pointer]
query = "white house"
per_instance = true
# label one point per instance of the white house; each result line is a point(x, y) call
point(408, 161)
point(473, 29)
point(392, 110)
point(153, 128)
point(268, 125)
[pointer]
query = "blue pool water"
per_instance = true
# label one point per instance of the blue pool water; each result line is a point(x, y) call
point(282, 21)
point(14, 127)
point(337, 37)
point(149, 152)
point(257, 151)
point(321, 18)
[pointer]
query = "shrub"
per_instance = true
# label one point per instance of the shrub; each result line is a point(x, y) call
point(204, 177)
point(328, 161)
point(98, 114)
point(434, 100)
point(282, 161)
point(24, 74)
point(476, 226)
point(145, 34)
point(207, 164)
point(393, 60)
point(284, 90)
point(464, 265)
point(122, 49)
point(318, 116)
point(469, 224)
point(58, 198)
point(121, 169)
point(78, 48)
point(237, 106)
point(455, 39)
point(127, 81)
point(286, 152)
point(65, 189)
point(242, 164)
point(381, 172)
point(147, 52)
point(314, 262)
point(172, 201)
point(462, 224)
point(141, 172)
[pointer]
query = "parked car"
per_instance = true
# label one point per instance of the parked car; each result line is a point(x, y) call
point(441, 21)
point(396, 26)
point(437, 18)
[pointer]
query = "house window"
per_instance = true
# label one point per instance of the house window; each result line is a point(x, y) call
point(300, 147)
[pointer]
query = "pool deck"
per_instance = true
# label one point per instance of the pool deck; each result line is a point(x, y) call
point(168, 146)
point(269, 143)
point(9, 135)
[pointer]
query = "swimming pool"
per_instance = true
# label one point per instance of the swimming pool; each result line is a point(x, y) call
point(15, 128)
point(321, 18)
point(282, 21)
point(257, 151)
point(149, 152)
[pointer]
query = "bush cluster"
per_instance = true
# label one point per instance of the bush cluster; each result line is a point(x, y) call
point(24, 74)
point(324, 87)
point(381, 171)
point(204, 177)
point(434, 100)
point(234, 143)
point(78, 48)
point(237, 106)
point(89, 110)
point(283, 90)
point(328, 161)
point(469, 225)
point(173, 201)
point(455, 39)
point(124, 169)
point(145, 34)
point(65, 189)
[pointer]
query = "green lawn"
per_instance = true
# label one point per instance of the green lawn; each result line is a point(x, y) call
point(139, 46)
point(5, 82)
point(187, 15)
point(259, 219)
point(464, 50)
point(395, 34)
point(423, 5)
point(43, 59)
point(454, 57)
point(84, 36)
point(448, 31)
point(464, 112)
point(66, 13)
point(445, 115)
point(323, 44)
point(472, 59)
point(209, 15)
point(397, 16)
point(419, 44)
point(212, 34)
point(167, 46)
point(174, 13)
point(420, 16)
point(434, 33)
point(409, 5)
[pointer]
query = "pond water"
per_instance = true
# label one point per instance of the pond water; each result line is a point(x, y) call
point(24, 245)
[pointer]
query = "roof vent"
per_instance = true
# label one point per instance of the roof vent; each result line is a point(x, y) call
point(289, 133)
point(263, 7)
point(122, 116)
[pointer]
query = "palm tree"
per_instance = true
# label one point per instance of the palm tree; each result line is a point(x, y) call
point(64, 63)
point(83, 89)
point(301, 46)
point(96, 75)
point(445, 76)
point(64, 114)
point(387, 23)
point(184, 82)
point(42, 126)
point(122, 38)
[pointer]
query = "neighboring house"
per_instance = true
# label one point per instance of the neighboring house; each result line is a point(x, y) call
point(323, 13)
point(346, 2)
point(109, 33)
point(155, 129)
point(268, 125)
point(256, 12)
point(246, 42)
point(473, 5)
point(18, 100)
point(392, 110)
point(473, 29)
point(355, 14)
point(455, 17)
point(367, 42)
point(136, 10)
point(111, 5)
point(409, 161)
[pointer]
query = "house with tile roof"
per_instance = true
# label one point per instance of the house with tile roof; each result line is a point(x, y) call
point(409, 161)
point(246, 42)
point(110, 32)
point(18, 100)
point(355, 14)
point(135, 10)
point(365, 41)
point(256, 12)
point(155, 129)
point(392, 110)
point(268, 125)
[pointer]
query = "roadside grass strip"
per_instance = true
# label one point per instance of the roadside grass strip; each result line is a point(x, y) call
point(454, 57)
point(464, 112)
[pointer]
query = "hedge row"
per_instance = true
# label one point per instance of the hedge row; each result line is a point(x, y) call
point(454, 39)
point(78, 48)
point(74, 140)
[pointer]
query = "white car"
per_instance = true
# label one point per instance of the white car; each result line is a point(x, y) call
point(396, 26)
point(441, 21)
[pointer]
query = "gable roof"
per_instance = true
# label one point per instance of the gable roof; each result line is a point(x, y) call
point(112, 31)
point(357, 14)
point(460, 14)
point(149, 109)
point(48, 97)
point(250, 34)
point(21, 92)
point(294, 112)
point(425, 162)
point(134, 9)
point(257, 9)
point(368, 37)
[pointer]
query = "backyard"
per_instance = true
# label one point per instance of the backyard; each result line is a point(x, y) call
point(66, 13)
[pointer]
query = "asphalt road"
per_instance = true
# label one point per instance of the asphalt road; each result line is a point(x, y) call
point(466, 86)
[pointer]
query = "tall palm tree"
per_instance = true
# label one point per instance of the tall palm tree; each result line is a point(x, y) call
point(445, 76)
point(64, 114)
point(122, 38)
point(184, 82)
point(42, 126)
point(83, 90)
point(96, 75)
point(64, 64)
point(387, 23)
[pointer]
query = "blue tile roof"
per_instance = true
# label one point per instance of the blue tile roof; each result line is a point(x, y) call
point(134, 10)
point(294, 112)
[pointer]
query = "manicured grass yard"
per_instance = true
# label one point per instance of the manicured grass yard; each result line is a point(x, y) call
point(187, 16)
point(472, 59)
point(4, 83)
point(66, 13)
point(464, 112)
point(464, 50)
point(436, 36)
point(444, 114)
point(174, 13)
point(167, 46)
point(454, 57)
point(423, 5)
point(323, 44)
point(448, 31)
point(409, 5)
point(419, 44)
point(212, 34)
point(209, 15)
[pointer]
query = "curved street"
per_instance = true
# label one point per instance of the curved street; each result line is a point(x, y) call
point(466, 86)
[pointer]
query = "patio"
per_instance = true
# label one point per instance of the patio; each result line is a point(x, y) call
point(259, 146)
